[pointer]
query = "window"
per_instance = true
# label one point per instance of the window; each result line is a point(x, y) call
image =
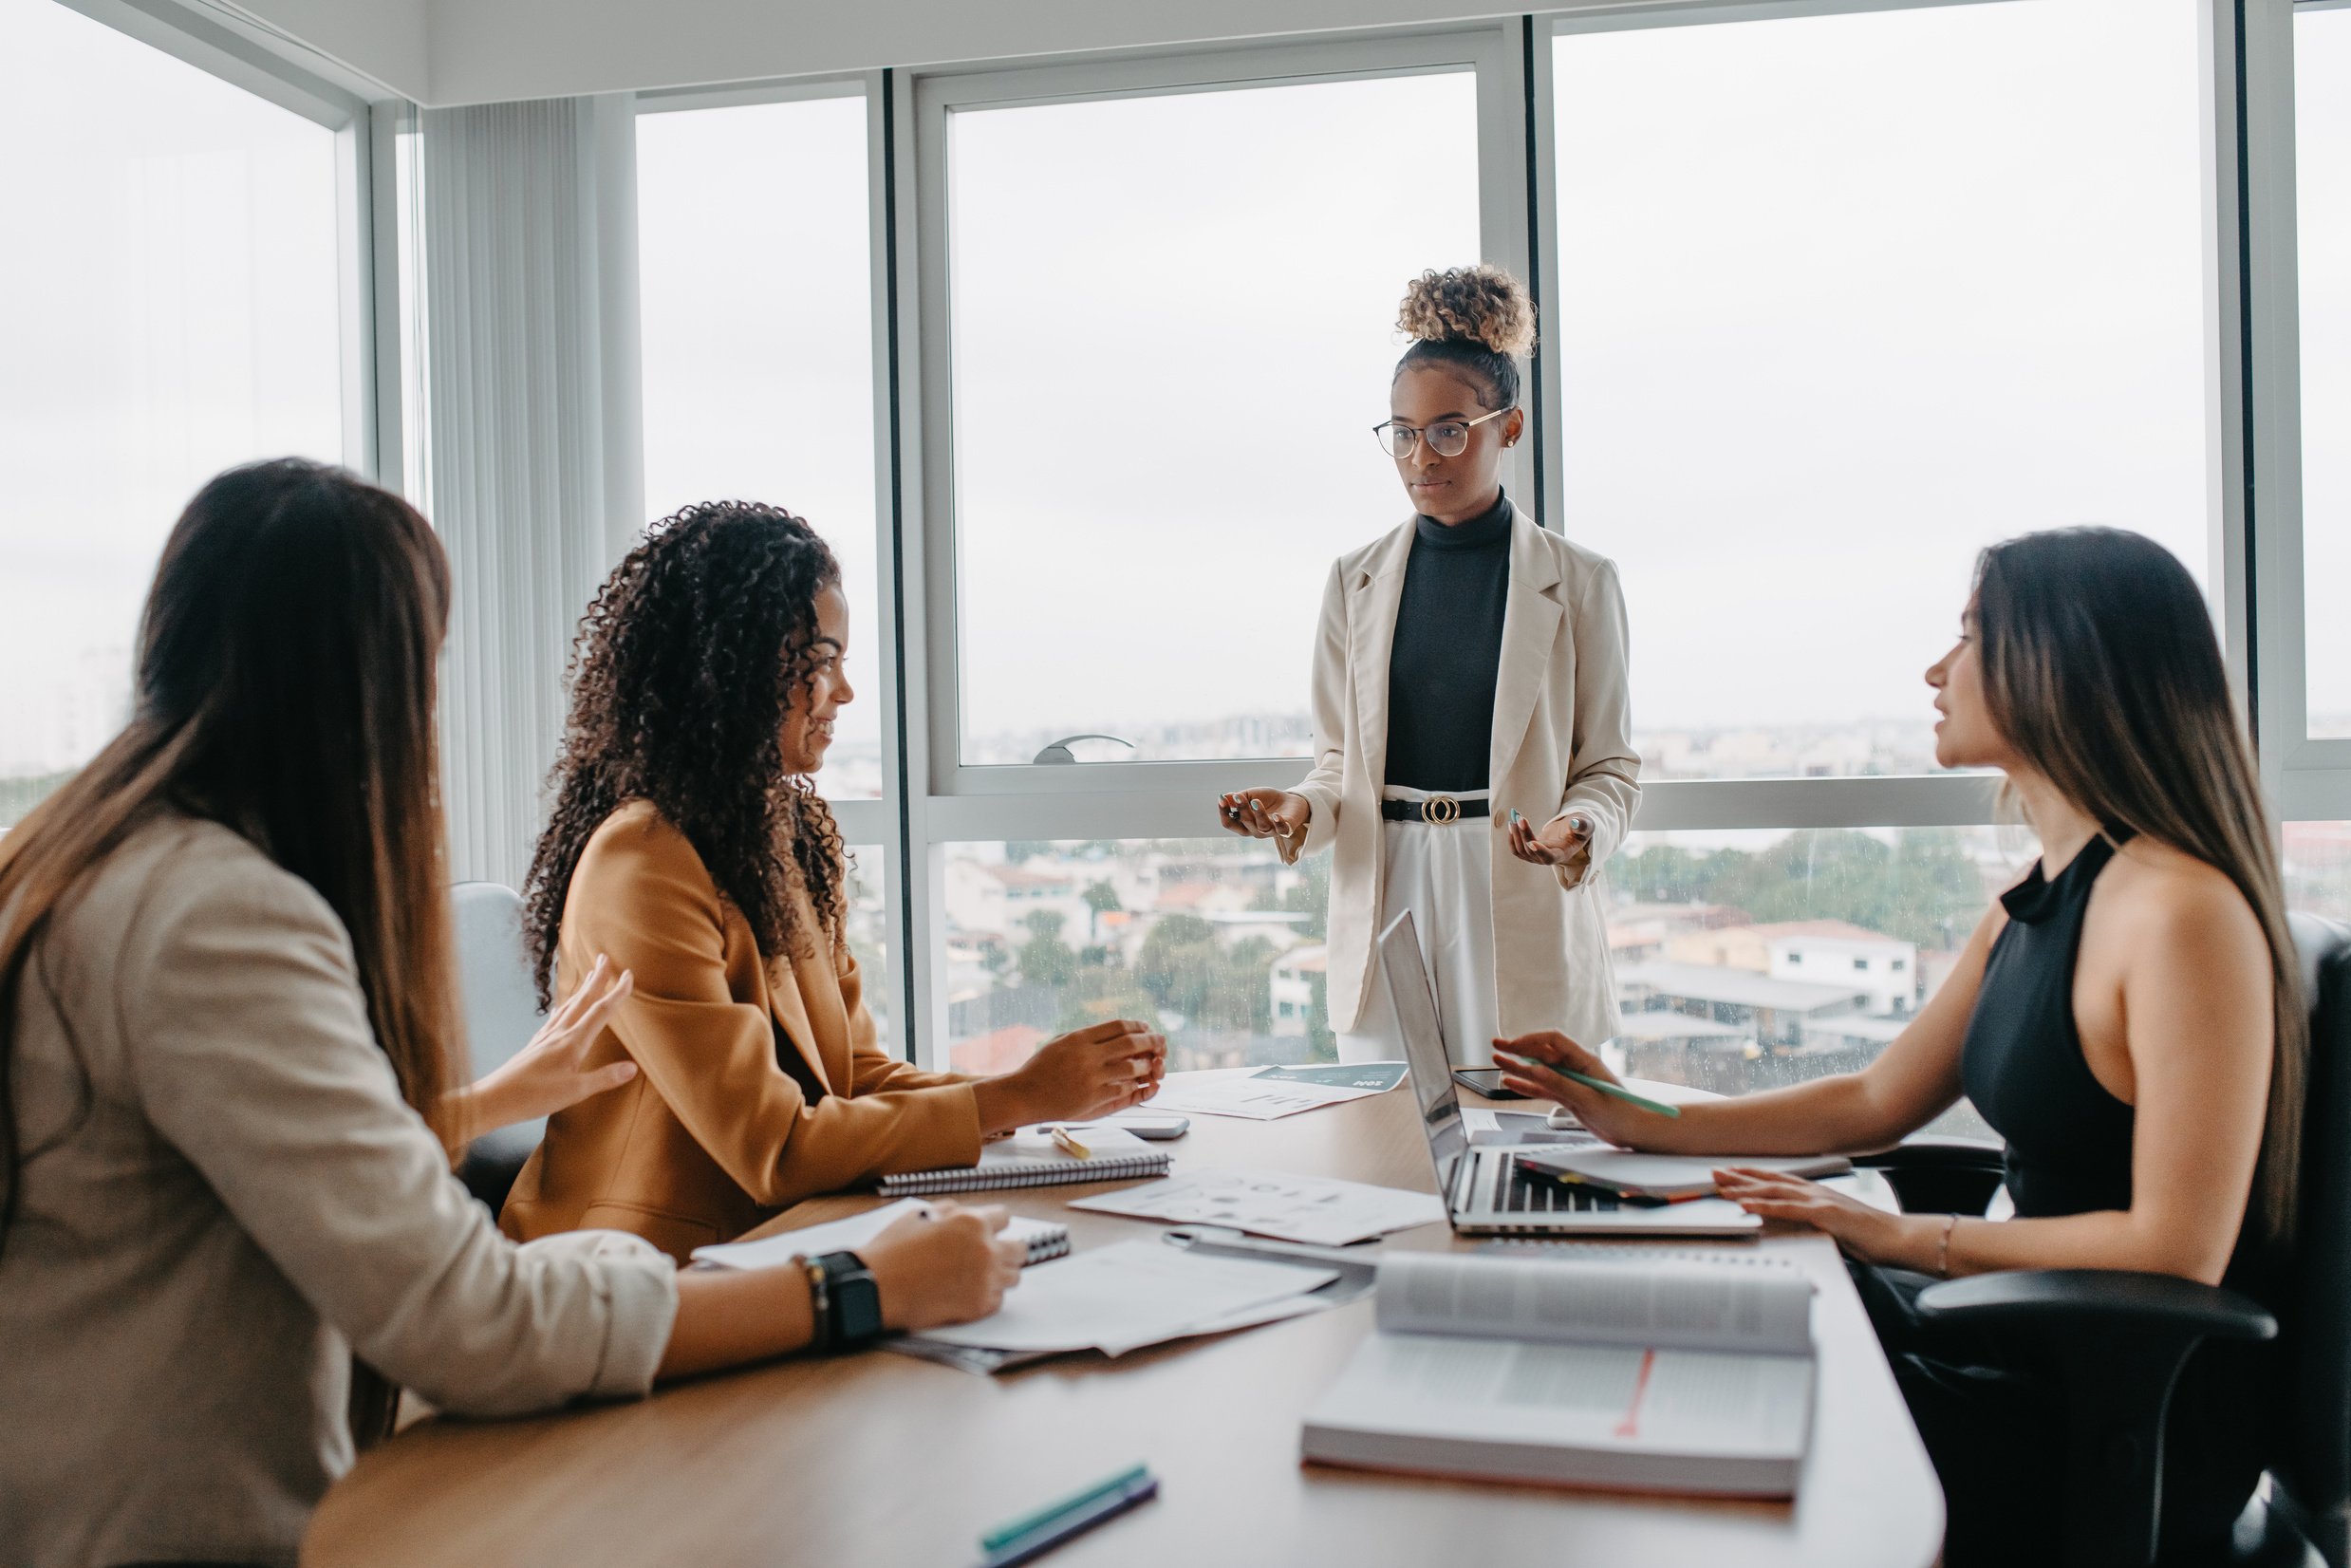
point(1213, 941)
point(2323, 218)
point(868, 933)
point(1841, 299)
point(170, 306)
point(1173, 333)
point(1703, 927)
point(754, 276)
point(2317, 866)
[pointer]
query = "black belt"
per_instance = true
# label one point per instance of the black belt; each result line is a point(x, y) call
point(1438, 810)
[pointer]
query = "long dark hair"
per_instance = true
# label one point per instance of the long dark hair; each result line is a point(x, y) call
point(685, 667)
point(285, 688)
point(2101, 669)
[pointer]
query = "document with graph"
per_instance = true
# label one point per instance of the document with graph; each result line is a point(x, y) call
point(1676, 1375)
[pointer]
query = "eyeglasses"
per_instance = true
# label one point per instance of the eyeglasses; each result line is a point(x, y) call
point(1446, 438)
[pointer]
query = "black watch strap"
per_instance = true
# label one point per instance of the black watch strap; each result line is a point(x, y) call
point(852, 1302)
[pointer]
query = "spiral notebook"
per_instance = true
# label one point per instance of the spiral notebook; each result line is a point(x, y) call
point(1030, 1158)
point(1043, 1238)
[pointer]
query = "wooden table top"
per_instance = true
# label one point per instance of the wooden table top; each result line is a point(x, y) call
point(883, 1459)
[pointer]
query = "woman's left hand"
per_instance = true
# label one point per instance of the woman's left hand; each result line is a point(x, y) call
point(1872, 1235)
point(1561, 840)
point(552, 1073)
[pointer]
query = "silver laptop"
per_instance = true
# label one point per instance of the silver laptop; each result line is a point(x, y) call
point(1485, 1192)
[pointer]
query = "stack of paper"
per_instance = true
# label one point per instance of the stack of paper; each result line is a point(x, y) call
point(1122, 1298)
point(1263, 1094)
point(1043, 1240)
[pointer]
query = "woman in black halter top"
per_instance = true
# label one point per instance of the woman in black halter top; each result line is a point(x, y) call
point(2127, 1016)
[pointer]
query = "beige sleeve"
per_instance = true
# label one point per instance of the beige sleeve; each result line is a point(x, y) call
point(1324, 782)
point(1603, 771)
point(252, 1055)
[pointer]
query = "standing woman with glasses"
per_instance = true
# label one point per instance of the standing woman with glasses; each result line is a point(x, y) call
point(1474, 761)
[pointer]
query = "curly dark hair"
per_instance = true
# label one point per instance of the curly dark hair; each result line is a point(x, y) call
point(682, 671)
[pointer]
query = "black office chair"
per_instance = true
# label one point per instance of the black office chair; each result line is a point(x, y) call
point(2118, 1340)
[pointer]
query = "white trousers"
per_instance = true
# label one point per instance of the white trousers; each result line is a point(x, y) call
point(1445, 875)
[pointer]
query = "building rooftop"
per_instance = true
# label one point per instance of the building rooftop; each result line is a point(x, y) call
point(1834, 930)
point(1736, 987)
point(1674, 1026)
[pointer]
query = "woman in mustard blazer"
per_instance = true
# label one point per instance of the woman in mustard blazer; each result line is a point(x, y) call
point(688, 846)
point(1471, 664)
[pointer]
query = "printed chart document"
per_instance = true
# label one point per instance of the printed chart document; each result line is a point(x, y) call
point(1122, 1298)
point(1264, 1093)
point(1681, 1375)
point(1320, 1210)
point(1044, 1240)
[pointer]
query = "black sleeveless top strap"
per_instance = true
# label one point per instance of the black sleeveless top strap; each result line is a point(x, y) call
point(2069, 1140)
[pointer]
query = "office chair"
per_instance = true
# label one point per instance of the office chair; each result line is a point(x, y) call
point(502, 1009)
point(2118, 1340)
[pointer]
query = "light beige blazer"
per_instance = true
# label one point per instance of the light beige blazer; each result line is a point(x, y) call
point(1562, 742)
point(224, 1197)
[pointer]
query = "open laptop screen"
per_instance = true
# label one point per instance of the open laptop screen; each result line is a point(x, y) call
point(1424, 1046)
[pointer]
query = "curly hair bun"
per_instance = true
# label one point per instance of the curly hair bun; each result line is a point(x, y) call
point(1479, 305)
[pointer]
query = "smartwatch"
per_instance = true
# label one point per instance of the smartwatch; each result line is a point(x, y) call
point(852, 1305)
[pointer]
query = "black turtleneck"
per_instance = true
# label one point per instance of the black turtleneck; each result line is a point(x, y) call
point(1448, 651)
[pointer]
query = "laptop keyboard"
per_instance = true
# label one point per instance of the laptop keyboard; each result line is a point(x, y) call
point(1518, 1193)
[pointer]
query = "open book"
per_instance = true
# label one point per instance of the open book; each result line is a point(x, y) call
point(1677, 1374)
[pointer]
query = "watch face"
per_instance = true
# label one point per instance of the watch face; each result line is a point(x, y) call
point(858, 1302)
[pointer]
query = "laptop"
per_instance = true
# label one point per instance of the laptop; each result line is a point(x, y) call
point(1485, 1192)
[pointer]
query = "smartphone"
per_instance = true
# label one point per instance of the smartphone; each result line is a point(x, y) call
point(1486, 1081)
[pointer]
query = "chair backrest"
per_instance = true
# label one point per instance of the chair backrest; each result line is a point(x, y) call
point(2315, 1454)
point(494, 976)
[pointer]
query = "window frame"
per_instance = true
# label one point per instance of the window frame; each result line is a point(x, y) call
point(932, 800)
point(303, 82)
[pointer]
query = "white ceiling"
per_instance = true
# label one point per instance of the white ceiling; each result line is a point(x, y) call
point(443, 52)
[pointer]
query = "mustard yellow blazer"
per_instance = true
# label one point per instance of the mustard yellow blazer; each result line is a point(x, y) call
point(758, 1080)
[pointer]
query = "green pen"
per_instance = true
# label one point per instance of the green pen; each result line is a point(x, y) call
point(1038, 1519)
point(1604, 1087)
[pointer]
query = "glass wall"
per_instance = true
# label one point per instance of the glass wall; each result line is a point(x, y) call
point(1750, 960)
point(1174, 330)
point(2323, 220)
point(754, 276)
point(1842, 299)
point(169, 307)
point(1213, 941)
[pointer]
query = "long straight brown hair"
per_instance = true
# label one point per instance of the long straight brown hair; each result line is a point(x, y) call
point(284, 688)
point(2101, 669)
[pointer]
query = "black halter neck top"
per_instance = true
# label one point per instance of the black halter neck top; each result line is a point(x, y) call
point(2069, 1140)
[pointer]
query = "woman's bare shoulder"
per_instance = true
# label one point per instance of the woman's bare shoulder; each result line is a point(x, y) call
point(2171, 901)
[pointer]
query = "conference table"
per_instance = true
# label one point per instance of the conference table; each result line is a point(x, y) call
point(883, 1459)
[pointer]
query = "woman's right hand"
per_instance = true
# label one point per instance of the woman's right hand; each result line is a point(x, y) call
point(951, 1265)
point(1087, 1072)
point(1265, 813)
point(1530, 1064)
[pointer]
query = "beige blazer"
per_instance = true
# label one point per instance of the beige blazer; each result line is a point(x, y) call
point(1562, 742)
point(760, 1080)
point(224, 1197)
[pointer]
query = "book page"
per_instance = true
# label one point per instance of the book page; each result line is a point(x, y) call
point(1687, 1304)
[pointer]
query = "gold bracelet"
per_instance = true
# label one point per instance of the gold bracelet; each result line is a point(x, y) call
point(1942, 1252)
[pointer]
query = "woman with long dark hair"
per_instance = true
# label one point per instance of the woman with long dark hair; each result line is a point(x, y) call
point(688, 841)
point(2129, 1017)
point(226, 1029)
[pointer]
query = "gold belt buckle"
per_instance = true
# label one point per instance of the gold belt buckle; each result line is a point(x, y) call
point(1441, 810)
